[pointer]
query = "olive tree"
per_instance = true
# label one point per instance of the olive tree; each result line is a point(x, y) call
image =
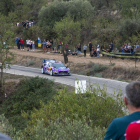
point(55, 11)
point(67, 31)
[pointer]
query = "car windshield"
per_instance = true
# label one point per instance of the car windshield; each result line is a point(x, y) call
point(58, 65)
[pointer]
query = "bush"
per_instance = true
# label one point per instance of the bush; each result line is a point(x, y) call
point(96, 68)
point(98, 75)
point(127, 29)
point(7, 129)
point(95, 105)
point(66, 130)
point(57, 10)
point(30, 62)
point(27, 96)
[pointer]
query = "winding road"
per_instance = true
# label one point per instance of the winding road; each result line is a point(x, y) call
point(112, 85)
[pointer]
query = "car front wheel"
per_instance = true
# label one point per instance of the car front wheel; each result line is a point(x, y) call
point(42, 70)
point(51, 72)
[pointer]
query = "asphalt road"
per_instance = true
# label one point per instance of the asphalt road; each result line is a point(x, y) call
point(112, 85)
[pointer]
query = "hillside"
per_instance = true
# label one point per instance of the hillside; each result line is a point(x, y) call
point(99, 21)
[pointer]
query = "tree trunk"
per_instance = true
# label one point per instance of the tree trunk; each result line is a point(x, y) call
point(1, 78)
point(65, 54)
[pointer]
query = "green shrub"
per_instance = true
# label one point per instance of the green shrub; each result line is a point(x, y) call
point(18, 29)
point(98, 75)
point(60, 129)
point(81, 73)
point(95, 105)
point(27, 96)
point(96, 68)
point(66, 130)
point(7, 129)
point(30, 62)
point(112, 64)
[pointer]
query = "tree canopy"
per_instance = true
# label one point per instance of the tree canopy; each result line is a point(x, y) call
point(54, 12)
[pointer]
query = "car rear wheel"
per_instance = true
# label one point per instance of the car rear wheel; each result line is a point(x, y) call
point(42, 70)
point(51, 72)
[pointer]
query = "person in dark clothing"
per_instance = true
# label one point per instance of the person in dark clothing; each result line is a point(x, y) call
point(118, 126)
point(18, 43)
point(111, 44)
point(79, 47)
point(110, 49)
point(17, 40)
point(90, 48)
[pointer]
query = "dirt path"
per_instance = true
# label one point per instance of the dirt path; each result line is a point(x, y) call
point(77, 59)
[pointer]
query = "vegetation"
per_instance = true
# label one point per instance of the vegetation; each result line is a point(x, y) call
point(6, 38)
point(36, 107)
point(27, 96)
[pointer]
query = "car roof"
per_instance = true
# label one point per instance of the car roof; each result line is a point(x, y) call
point(48, 60)
point(57, 62)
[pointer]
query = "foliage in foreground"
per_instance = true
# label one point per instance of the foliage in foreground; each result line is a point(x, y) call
point(27, 96)
point(95, 106)
point(63, 116)
point(60, 130)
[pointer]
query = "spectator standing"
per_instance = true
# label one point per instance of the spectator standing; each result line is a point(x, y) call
point(33, 22)
point(28, 44)
point(98, 50)
point(118, 126)
point(30, 24)
point(24, 24)
point(17, 42)
point(44, 43)
point(33, 45)
point(19, 24)
point(22, 44)
point(137, 46)
point(51, 45)
point(85, 49)
point(48, 44)
point(90, 48)
point(111, 44)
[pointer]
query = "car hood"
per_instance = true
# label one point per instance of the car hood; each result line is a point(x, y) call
point(62, 68)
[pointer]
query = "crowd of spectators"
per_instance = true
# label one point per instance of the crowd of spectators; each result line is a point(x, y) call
point(29, 43)
point(47, 46)
point(26, 24)
point(127, 48)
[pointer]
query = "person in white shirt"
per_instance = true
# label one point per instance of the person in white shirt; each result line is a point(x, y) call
point(28, 44)
point(98, 50)
point(30, 24)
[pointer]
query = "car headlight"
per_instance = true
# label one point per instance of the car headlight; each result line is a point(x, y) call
point(56, 70)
